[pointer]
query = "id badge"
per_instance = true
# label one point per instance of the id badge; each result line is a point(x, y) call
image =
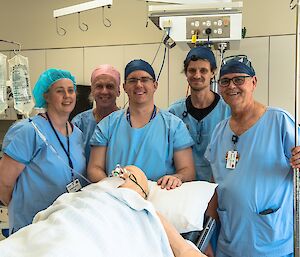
point(74, 186)
point(231, 159)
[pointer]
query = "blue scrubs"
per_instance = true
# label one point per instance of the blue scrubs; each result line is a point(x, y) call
point(151, 147)
point(86, 122)
point(44, 177)
point(201, 132)
point(262, 180)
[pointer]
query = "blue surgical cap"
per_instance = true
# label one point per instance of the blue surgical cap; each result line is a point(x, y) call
point(201, 53)
point(45, 81)
point(237, 65)
point(139, 65)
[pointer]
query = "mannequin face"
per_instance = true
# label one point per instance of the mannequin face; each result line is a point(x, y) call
point(136, 180)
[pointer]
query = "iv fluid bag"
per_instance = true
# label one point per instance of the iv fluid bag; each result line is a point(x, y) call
point(3, 87)
point(21, 89)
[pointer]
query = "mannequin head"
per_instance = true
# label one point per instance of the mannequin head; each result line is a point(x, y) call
point(136, 180)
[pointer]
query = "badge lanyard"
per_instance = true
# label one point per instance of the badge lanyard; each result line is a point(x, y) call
point(151, 118)
point(63, 147)
point(232, 156)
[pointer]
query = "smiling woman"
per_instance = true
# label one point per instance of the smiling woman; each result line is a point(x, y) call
point(61, 97)
point(43, 155)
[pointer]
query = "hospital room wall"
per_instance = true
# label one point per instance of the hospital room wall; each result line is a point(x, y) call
point(273, 58)
point(270, 42)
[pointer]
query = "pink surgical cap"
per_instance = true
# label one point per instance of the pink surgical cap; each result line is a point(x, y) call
point(106, 69)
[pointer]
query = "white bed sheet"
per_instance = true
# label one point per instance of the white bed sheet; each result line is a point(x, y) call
point(101, 220)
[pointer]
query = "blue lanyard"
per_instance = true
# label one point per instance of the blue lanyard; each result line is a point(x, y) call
point(62, 145)
point(151, 118)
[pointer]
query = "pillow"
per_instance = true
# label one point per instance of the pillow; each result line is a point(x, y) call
point(183, 206)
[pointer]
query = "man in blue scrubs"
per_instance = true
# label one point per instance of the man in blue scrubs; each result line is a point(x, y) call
point(251, 159)
point(203, 109)
point(143, 135)
point(105, 88)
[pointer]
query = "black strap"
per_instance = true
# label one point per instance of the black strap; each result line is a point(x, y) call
point(151, 118)
point(234, 139)
point(67, 152)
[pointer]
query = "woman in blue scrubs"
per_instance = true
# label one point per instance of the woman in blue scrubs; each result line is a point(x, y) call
point(251, 159)
point(44, 155)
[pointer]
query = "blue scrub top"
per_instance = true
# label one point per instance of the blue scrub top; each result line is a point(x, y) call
point(45, 176)
point(151, 148)
point(86, 122)
point(201, 132)
point(262, 179)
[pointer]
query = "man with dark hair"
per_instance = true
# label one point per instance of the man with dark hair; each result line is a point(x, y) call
point(143, 135)
point(203, 109)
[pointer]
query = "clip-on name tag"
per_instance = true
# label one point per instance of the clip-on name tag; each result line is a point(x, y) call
point(74, 186)
point(232, 158)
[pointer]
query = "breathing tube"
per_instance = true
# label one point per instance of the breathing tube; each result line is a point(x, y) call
point(51, 147)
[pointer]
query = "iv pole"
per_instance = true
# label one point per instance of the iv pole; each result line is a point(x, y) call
point(296, 170)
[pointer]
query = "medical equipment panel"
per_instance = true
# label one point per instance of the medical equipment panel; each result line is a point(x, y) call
point(217, 27)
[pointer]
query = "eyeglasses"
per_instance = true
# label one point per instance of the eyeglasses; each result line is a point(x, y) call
point(238, 81)
point(120, 172)
point(240, 58)
point(134, 180)
point(144, 80)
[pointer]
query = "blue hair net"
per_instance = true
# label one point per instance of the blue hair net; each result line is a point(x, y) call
point(201, 53)
point(139, 65)
point(237, 65)
point(45, 81)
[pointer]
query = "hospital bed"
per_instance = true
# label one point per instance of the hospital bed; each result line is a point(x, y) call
point(201, 238)
point(76, 223)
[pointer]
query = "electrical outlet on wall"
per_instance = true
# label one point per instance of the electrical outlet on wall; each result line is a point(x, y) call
point(167, 24)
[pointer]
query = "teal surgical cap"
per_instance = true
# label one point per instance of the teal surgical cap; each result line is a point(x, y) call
point(45, 81)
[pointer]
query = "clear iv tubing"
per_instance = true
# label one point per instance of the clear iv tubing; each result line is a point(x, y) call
point(54, 151)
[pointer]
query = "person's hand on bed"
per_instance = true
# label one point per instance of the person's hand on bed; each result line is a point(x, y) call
point(169, 182)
